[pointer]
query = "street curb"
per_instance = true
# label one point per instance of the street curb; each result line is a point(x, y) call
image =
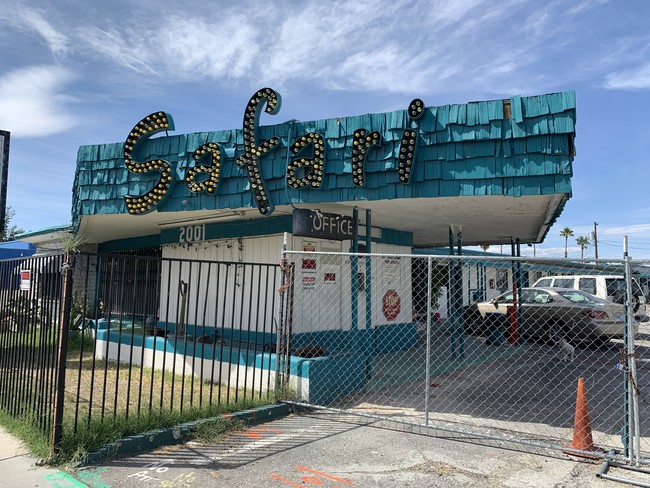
point(135, 444)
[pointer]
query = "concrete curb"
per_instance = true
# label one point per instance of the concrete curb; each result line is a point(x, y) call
point(132, 445)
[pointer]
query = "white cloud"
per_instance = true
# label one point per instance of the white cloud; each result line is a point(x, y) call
point(196, 48)
point(632, 79)
point(581, 7)
point(130, 53)
point(26, 18)
point(31, 104)
point(385, 46)
point(180, 48)
point(391, 46)
point(56, 41)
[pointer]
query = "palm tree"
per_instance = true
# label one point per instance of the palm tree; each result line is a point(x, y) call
point(566, 233)
point(485, 247)
point(583, 242)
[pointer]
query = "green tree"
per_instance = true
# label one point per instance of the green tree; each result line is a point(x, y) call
point(566, 233)
point(9, 232)
point(583, 242)
point(484, 247)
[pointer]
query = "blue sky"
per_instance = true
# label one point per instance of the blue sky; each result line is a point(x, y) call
point(80, 72)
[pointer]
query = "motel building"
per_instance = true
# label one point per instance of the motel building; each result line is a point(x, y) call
point(398, 183)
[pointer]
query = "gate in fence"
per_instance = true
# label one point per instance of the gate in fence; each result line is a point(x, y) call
point(474, 346)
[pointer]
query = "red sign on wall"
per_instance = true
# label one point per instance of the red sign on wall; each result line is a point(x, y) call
point(391, 305)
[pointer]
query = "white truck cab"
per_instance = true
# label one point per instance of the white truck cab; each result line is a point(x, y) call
point(608, 287)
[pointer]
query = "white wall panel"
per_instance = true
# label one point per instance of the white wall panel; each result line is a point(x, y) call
point(224, 291)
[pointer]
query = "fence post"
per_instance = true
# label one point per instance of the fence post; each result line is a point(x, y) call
point(368, 351)
point(632, 398)
point(427, 380)
point(62, 351)
point(280, 339)
point(285, 328)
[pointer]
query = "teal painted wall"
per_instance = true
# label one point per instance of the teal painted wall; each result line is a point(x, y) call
point(144, 242)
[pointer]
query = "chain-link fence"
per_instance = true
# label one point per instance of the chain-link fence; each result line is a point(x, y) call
point(544, 353)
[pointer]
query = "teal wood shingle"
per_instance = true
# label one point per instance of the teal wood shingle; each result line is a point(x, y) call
point(463, 149)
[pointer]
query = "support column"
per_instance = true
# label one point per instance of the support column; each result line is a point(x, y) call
point(456, 295)
point(515, 329)
point(520, 285)
point(354, 284)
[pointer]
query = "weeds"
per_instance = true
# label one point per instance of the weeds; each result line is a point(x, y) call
point(100, 433)
point(26, 430)
point(107, 401)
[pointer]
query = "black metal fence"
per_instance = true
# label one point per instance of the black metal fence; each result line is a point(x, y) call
point(88, 338)
point(30, 291)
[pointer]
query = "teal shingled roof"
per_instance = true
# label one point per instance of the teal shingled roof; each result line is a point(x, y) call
point(467, 149)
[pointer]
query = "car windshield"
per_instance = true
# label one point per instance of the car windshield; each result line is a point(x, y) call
point(577, 296)
point(505, 298)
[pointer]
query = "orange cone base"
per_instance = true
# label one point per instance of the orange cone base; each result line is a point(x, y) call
point(584, 455)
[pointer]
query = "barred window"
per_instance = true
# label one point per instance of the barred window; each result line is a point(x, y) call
point(502, 279)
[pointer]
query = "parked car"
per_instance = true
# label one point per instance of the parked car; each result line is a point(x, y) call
point(607, 287)
point(546, 312)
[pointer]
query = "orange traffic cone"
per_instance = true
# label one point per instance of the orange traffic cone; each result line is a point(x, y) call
point(582, 439)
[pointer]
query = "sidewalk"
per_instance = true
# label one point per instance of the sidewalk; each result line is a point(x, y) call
point(18, 468)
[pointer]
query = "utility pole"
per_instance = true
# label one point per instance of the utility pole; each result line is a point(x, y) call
point(596, 239)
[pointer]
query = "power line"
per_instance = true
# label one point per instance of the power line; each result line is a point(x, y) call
point(614, 244)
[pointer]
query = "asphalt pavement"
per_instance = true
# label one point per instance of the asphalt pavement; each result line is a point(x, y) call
point(337, 450)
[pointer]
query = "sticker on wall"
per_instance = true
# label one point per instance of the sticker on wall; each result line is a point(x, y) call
point(330, 278)
point(308, 281)
point(308, 272)
point(308, 246)
point(392, 267)
point(391, 305)
point(330, 247)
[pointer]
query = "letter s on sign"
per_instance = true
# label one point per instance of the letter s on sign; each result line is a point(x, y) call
point(143, 130)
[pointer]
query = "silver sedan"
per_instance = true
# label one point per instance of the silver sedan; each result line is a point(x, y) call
point(546, 313)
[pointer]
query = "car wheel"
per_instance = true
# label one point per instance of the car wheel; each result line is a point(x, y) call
point(474, 324)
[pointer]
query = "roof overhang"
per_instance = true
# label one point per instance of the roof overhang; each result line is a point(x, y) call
point(483, 219)
point(50, 238)
point(496, 170)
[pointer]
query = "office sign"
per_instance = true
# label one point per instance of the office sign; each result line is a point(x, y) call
point(310, 223)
